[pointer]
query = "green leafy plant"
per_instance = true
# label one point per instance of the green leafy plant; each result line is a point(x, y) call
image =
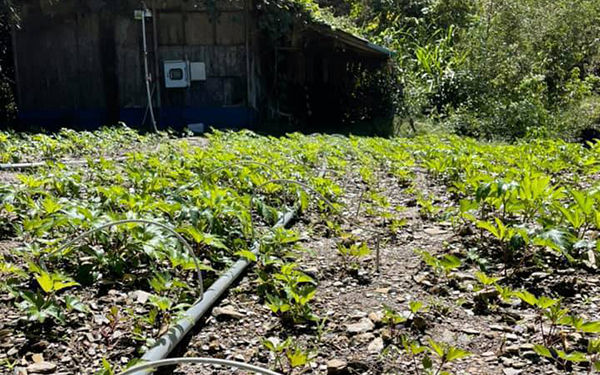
point(44, 304)
point(442, 265)
point(352, 254)
point(445, 354)
point(293, 291)
point(421, 355)
point(288, 355)
point(427, 208)
point(413, 319)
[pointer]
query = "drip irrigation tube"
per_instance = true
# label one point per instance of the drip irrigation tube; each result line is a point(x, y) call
point(148, 77)
point(304, 186)
point(193, 360)
point(167, 342)
point(169, 229)
point(39, 164)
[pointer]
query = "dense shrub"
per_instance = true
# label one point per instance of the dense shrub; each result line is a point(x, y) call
point(491, 68)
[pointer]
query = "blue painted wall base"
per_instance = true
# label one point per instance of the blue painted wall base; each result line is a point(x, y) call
point(177, 118)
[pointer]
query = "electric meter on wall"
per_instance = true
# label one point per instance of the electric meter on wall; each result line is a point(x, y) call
point(177, 74)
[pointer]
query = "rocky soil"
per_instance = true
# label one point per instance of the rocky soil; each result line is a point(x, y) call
point(354, 340)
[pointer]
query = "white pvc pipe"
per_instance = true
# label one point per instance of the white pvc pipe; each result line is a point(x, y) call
point(146, 70)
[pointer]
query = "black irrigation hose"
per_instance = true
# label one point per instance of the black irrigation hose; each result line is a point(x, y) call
point(185, 244)
point(207, 361)
point(167, 342)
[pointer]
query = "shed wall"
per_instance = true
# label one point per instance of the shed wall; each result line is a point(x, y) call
point(82, 60)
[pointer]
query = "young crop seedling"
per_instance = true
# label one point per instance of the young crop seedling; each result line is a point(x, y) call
point(427, 208)
point(44, 303)
point(352, 254)
point(513, 240)
point(441, 266)
point(555, 344)
point(445, 354)
point(430, 359)
point(288, 355)
point(413, 319)
point(290, 295)
point(488, 291)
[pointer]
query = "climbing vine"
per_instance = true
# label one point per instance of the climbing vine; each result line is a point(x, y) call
point(277, 18)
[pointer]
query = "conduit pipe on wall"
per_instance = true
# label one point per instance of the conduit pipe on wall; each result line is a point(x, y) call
point(157, 76)
point(147, 76)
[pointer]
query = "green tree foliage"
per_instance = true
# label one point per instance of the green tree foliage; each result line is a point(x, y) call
point(532, 66)
point(493, 68)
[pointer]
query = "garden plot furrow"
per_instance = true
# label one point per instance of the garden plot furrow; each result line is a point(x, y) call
point(495, 338)
point(350, 298)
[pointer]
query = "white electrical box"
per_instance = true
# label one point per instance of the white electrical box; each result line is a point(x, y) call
point(177, 74)
point(198, 71)
point(138, 14)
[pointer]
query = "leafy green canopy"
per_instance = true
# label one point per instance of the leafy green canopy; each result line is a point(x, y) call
point(493, 68)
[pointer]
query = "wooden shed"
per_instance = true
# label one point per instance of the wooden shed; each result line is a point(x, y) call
point(81, 63)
